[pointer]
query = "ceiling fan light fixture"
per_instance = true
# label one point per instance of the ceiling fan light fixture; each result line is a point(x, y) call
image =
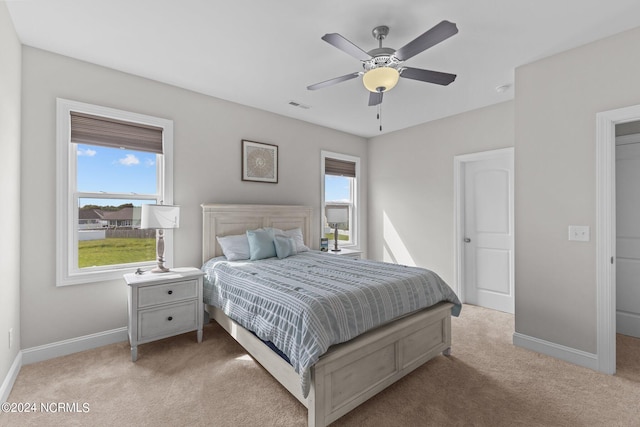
point(380, 79)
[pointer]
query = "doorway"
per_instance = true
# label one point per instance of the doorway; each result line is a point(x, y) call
point(484, 231)
point(606, 123)
point(627, 262)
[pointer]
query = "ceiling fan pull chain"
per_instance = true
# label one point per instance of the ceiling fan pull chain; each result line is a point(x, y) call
point(380, 115)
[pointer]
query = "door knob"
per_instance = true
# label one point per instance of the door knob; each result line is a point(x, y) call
point(467, 240)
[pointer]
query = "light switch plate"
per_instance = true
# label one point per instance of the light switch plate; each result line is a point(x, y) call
point(579, 233)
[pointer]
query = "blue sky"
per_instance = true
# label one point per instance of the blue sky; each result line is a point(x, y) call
point(115, 170)
point(336, 188)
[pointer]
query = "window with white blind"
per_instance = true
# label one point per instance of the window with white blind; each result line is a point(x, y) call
point(110, 162)
point(340, 190)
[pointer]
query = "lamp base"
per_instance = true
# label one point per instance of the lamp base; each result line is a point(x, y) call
point(335, 239)
point(160, 254)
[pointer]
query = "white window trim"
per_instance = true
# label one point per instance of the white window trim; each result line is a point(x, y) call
point(354, 225)
point(66, 227)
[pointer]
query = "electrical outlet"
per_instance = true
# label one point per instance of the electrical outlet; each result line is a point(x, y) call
point(579, 233)
point(10, 337)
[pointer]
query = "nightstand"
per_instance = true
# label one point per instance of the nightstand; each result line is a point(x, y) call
point(349, 253)
point(162, 305)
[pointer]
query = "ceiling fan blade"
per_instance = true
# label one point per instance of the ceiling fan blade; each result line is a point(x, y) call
point(346, 46)
point(427, 76)
point(375, 98)
point(432, 37)
point(333, 81)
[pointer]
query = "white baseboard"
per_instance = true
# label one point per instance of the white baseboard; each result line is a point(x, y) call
point(568, 354)
point(627, 323)
point(57, 349)
point(73, 345)
point(10, 379)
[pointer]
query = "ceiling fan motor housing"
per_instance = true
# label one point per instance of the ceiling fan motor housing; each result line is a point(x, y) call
point(381, 57)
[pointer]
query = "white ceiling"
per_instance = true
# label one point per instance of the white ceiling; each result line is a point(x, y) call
point(265, 53)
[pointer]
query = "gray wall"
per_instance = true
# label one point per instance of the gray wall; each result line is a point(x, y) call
point(10, 75)
point(555, 107)
point(411, 185)
point(207, 140)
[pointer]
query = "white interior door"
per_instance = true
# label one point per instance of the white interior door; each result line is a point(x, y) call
point(628, 239)
point(488, 242)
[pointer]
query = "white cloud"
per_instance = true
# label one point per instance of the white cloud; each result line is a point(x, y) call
point(149, 162)
point(129, 160)
point(86, 152)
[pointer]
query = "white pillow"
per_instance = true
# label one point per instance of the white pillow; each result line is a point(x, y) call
point(235, 247)
point(296, 233)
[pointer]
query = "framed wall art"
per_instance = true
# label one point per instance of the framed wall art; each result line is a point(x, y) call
point(259, 162)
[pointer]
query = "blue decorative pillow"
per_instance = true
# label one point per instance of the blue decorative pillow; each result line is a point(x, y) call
point(261, 244)
point(285, 246)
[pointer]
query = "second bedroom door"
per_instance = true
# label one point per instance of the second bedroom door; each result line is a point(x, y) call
point(488, 236)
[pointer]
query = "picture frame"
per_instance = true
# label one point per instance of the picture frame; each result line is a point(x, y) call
point(259, 162)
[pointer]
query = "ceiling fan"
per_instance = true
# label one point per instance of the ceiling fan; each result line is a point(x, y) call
point(383, 66)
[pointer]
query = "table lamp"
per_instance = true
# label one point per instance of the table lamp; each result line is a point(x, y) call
point(160, 217)
point(336, 215)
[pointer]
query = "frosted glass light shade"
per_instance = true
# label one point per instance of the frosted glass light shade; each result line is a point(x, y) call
point(383, 77)
point(160, 216)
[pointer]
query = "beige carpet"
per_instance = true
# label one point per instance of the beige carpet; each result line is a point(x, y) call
point(177, 382)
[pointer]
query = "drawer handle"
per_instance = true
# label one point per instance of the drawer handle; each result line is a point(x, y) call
point(170, 318)
point(169, 292)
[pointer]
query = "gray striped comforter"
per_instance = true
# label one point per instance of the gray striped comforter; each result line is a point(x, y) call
point(307, 302)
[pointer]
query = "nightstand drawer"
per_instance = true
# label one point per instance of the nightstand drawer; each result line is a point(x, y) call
point(167, 320)
point(167, 293)
point(163, 305)
point(347, 253)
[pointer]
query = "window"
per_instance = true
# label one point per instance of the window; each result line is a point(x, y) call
point(110, 162)
point(340, 190)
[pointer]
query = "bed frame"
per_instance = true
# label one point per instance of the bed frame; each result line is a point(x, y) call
point(349, 373)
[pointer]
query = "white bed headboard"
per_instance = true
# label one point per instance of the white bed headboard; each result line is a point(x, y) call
point(224, 220)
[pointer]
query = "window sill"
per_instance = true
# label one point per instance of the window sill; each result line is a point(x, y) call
point(83, 278)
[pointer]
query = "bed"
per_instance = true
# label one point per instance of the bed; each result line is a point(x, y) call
point(348, 373)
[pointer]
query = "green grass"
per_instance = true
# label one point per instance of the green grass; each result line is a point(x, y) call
point(115, 251)
point(330, 236)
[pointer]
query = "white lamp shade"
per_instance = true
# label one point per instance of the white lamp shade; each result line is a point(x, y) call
point(337, 214)
point(160, 216)
point(384, 78)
